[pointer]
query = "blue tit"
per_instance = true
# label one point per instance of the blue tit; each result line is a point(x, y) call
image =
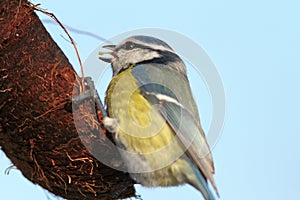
point(154, 117)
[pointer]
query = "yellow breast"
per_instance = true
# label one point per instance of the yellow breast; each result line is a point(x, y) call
point(142, 128)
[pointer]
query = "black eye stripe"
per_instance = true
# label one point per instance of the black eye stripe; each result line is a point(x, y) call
point(130, 45)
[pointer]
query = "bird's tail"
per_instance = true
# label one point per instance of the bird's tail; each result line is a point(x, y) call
point(202, 185)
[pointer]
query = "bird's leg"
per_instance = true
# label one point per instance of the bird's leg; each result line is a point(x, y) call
point(90, 93)
point(111, 124)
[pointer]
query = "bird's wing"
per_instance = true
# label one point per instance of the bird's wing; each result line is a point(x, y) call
point(171, 92)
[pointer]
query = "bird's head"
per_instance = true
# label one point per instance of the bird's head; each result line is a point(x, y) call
point(141, 49)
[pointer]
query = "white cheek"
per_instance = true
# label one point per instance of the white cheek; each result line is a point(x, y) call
point(145, 55)
point(151, 55)
point(135, 56)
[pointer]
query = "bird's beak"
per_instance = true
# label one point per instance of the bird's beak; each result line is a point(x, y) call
point(111, 53)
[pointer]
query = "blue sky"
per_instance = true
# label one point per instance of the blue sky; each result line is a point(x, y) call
point(255, 47)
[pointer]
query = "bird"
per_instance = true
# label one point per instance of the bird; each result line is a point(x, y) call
point(154, 118)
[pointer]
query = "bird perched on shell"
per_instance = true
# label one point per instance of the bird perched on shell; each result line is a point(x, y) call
point(154, 118)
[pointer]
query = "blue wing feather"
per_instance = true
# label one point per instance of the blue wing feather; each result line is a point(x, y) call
point(170, 90)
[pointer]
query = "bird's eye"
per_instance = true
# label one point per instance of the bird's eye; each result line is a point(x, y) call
point(129, 46)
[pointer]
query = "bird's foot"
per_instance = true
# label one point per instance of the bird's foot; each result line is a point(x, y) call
point(89, 93)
